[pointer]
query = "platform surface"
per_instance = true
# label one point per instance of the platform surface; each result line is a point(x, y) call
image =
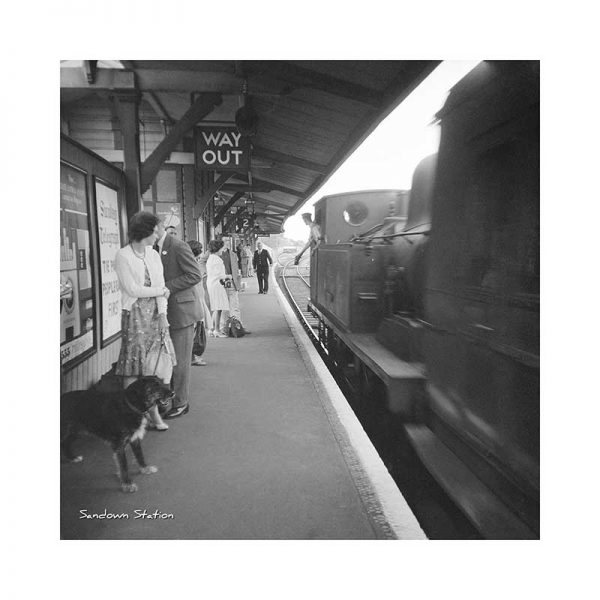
point(255, 458)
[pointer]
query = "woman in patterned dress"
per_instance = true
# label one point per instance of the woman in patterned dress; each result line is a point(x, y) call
point(144, 302)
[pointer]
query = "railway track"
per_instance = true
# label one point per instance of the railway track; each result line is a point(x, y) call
point(436, 513)
point(296, 285)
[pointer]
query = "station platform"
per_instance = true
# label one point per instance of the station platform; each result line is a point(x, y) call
point(269, 450)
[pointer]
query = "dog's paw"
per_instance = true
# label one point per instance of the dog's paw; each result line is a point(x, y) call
point(129, 487)
point(148, 470)
point(76, 459)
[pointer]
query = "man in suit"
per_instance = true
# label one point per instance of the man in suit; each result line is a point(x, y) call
point(183, 311)
point(261, 261)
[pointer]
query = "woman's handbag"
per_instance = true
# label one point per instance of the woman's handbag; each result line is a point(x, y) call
point(199, 339)
point(159, 361)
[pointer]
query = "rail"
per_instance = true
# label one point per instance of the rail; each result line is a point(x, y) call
point(300, 272)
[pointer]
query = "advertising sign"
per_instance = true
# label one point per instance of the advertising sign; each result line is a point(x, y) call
point(109, 238)
point(76, 305)
point(170, 214)
point(220, 148)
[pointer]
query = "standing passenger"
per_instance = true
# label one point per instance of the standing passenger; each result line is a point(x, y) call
point(261, 261)
point(184, 310)
point(215, 282)
point(246, 260)
point(230, 263)
point(196, 248)
point(144, 302)
point(238, 253)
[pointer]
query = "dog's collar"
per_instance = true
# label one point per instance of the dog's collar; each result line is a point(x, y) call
point(133, 408)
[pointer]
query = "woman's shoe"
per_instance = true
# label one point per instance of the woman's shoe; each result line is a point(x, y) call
point(198, 362)
point(158, 426)
point(218, 334)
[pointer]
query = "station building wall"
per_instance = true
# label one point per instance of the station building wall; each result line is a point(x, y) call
point(173, 191)
point(93, 227)
point(86, 354)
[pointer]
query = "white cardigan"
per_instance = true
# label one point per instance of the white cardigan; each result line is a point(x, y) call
point(130, 271)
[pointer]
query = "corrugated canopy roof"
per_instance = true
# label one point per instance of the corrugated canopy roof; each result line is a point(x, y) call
point(311, 114)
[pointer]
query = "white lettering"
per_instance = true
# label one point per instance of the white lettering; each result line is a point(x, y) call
point(222, 160)
point(205, 157)
point(225, 140)
point(211, 138)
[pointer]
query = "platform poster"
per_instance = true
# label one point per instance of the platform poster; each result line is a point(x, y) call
point(170, 215)
point(76, 298)
point(109, 238)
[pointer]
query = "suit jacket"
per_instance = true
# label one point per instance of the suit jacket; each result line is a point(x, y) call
point(261, 260)
point(181, 276)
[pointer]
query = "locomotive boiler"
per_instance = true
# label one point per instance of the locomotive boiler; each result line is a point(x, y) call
point(440, 303)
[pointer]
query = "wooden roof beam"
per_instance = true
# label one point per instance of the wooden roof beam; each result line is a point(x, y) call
point(246, 187)
point(288, 159)
point(193, 80)
point(223, 210)
point(158, 108)
point(105, 79)
point(90, 67)
point(153, 100)
point(203, 106)
point(300, 77)
point(271, 202)
point(268, 204)
point(215, 187)
point(278, 188)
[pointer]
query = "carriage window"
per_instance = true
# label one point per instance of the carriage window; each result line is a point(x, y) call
point(356, 213)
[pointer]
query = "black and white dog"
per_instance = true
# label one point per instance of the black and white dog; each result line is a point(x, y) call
point(117, 417)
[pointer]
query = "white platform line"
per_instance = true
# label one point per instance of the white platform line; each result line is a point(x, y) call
point(396, 513)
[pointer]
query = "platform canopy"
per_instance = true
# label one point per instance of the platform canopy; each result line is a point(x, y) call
point(305, 117)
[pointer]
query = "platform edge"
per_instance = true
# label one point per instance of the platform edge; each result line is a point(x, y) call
point(398, 516)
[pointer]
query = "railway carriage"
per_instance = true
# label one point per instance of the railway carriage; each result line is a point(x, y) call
point(440, 305)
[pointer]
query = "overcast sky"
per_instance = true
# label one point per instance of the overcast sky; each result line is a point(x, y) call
point(388, 157)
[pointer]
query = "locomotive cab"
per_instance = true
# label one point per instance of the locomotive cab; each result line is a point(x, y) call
point(347, 276)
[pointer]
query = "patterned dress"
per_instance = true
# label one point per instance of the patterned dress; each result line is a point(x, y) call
point(139, 330)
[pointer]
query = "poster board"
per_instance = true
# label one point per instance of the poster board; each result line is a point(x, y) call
point(109, 242)
point(77, 311)
point(170, 215)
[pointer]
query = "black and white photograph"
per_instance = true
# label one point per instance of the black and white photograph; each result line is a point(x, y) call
point(301, 344)
point(373, 370)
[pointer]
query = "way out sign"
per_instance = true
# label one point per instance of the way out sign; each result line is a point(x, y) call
point(221, 148)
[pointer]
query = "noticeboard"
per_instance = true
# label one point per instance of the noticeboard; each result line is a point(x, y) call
point(77, 320)
point(221, 148)
point(109, 242)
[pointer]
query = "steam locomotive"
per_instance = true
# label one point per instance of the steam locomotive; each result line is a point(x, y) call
point(434, 293)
